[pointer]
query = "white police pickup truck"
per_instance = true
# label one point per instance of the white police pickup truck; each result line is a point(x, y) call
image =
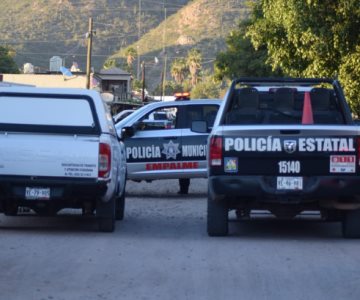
point(160, 143)
point(59, 149)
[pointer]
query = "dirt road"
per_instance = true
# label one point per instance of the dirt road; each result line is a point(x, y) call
point(161, 251)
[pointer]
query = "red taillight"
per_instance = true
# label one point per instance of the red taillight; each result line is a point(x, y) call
point(358, 150)
point(104, 160)
point(215, 151)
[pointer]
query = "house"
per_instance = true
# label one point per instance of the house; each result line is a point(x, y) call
point(113, 80)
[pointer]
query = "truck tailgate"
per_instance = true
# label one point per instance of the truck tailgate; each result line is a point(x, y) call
point(305, 151)
point(49, 155)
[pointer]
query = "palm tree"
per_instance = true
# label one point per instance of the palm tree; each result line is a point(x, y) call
point(179, 70)
point(131, 54)
point(193, 60)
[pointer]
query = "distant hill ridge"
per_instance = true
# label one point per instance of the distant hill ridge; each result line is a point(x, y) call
point(40, 29)
point(202, 24)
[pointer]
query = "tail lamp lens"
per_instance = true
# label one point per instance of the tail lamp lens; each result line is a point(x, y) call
point(215, 151)
point(104, 160)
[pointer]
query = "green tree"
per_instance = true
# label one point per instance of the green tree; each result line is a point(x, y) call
point(206, 89)
point(312, 38)
point(194, 59)
point(179, 70)
point(349, 76)
point(110, 63)
point(170, 88)
point(241, 59)
point(7, 63)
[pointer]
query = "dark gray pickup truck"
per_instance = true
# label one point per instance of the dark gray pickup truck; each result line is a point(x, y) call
point(286, 146)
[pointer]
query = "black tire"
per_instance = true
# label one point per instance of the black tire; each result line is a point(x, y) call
point(217, 218)
point(11, 212)
point(120, 207)
point(106, 224)
point(105, 213)
point(351, 224)
point(334, 215)
point(46, 211)
point(11, 208)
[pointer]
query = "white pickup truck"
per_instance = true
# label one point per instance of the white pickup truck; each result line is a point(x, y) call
point(59, 149)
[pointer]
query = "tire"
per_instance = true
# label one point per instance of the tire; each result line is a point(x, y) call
point(217, 218)
point(106, 224)
point(120, 207)
point(351, 224)
point(11, 208)
point(45, 211)
point(120, 204)
point(333, 215)
point(105, 213)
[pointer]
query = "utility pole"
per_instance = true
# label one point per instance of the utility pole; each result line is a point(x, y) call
point(143, 82)
point(137, 47)
point(165, 55)
point(89, 36)
point(162, 86)
point(164, 77)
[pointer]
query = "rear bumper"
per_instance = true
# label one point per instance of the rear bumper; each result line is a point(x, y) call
point(263, 189)
point(62, 190)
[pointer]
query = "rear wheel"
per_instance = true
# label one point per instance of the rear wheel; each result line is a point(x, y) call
point(217, 218)
point(106, 224)
point(333, 215)
point(11, 208)
point(351, 224)
point(105, 213)
point(120, 206)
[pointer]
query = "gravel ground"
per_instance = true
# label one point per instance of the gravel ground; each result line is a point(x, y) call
point(161, 251)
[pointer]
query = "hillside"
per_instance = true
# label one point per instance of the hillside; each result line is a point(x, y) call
point(202, 24)
point(40, 29)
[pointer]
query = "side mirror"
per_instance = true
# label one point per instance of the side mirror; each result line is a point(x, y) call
point(127, 132)
point(199, 126)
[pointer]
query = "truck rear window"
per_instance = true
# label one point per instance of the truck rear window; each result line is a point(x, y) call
point(47, 114)
point(283, 105)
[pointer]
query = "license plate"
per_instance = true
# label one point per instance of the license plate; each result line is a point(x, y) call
point(289, 183)
point(37, 193)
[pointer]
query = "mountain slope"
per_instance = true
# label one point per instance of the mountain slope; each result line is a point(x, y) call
point(39, 29)
point(202, 24)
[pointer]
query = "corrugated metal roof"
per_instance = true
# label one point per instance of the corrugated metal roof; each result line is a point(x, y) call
point(113, 71)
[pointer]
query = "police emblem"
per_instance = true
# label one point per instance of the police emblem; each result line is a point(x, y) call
point(289, 146)
point(171, 150)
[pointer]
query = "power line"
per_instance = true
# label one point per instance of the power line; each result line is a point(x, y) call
point(58, 53)
point(100, 55)
point(99, 36)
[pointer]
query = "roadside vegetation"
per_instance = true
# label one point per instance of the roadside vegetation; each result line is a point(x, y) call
point(7, 63)
point(314, 38)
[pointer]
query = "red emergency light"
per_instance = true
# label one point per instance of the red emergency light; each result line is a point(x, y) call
point(182, 96)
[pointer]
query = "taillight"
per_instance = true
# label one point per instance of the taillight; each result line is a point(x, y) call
point(358, 150)
point(104, 160)
point(215, 151)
